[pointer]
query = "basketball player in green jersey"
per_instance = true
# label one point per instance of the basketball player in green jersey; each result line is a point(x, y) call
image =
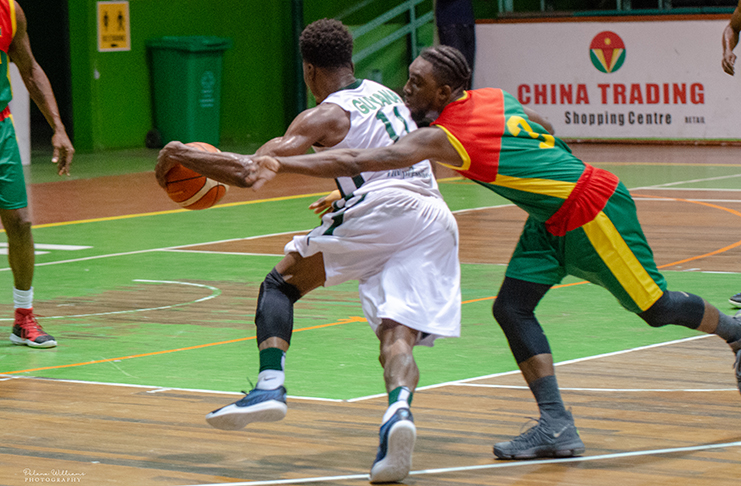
point(15, 46)
point(582, 221)
point(390, 230)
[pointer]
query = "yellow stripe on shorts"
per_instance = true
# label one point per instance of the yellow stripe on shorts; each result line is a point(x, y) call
point(617, 255)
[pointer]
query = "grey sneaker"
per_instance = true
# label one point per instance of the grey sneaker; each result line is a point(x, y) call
point(548, 438)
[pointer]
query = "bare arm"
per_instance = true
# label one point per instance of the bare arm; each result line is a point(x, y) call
point(730, 40)
point(226, 167)
point(540, 120)
point(325, 124)
point(425, 143)
point(39, 89)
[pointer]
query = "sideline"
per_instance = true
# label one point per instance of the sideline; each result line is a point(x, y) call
point(497, 465)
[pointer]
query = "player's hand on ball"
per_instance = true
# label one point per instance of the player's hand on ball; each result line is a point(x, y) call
point(321, 206)
point(166, 160)
point(264, 168)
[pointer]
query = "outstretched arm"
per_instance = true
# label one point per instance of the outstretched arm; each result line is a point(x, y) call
point(39, 89)
point(325, 124)
point(730, 40)
point(425, 143)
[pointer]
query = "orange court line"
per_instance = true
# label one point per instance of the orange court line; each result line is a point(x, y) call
point(155, 353)
point(710, 205)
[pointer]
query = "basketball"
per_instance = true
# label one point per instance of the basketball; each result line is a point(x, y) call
point(192, 190)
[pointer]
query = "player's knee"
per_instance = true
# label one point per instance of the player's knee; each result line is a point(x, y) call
point(274, 315)
point(678, 308)
point(506, 314)
point(16, 223)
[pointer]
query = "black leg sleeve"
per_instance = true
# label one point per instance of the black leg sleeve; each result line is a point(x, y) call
point(514, 310)
point(274, 315)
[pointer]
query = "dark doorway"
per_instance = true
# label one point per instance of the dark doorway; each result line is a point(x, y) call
point(48, 30)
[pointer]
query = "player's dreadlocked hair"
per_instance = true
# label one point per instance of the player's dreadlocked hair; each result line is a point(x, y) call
point(326, 43)
point(449, 66)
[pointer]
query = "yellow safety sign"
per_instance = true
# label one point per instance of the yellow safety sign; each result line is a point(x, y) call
point(114, 33)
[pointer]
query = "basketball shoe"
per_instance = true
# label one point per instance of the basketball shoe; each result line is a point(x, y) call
point(28, 332)
point(394, 458)
point(256, 406)
point(548, 438)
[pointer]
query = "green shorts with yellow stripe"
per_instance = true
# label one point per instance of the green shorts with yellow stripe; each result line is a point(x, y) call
point(12, 182)
point(610, 251)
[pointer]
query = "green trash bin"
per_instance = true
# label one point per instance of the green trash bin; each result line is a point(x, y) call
point(186, 82)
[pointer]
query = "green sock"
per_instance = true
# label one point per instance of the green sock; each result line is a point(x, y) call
point(272, 359)
point(400, 393)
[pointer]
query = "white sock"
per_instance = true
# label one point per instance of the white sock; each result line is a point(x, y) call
point(392, 410)
point(270, 379)
point(23, 299)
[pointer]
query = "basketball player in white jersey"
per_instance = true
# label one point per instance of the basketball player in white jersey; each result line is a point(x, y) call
point(390, 230)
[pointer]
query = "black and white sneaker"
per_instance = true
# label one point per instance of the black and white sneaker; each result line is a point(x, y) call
point(256, 406)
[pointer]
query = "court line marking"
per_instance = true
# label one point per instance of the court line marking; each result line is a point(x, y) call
point(497, 465)
point(187, 348)
point(4, 376)
point(173, 211)
point(215, 292)
point(209, 252)
point(152, 389)
point(611, 390)
point(560, 363)
point(690, 181)
point(153, 250)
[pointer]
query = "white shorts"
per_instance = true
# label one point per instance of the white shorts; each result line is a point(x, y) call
point(402, 247)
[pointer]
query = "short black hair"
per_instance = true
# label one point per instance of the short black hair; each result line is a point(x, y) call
point(326, 43)
point(449, 66)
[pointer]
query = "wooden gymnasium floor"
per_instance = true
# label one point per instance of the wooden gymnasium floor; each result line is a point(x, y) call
point(665, 414)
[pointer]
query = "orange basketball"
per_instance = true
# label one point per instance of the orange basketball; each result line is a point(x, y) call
point(192, 190)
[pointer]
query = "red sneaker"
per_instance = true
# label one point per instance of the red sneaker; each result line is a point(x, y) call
point(27, 331)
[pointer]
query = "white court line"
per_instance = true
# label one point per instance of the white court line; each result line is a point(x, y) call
point(612, 390)
point(215, 292)
point(639, 198)
point(670, 184)
point(693, 189)
point(497, 465)
point(561, 363)
point(151, 388)
point(209, 252)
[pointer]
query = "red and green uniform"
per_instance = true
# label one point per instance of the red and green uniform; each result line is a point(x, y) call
point(582, 220)
point(12, 184)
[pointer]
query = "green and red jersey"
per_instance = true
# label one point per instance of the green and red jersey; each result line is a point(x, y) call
point(7, 31)
point(504, 150)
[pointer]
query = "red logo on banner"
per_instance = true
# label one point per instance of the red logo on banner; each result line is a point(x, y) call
point(607, 51)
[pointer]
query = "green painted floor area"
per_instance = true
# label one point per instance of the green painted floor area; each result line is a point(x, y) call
point(130, 267)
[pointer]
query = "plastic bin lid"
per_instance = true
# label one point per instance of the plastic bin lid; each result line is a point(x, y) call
point(194, 43)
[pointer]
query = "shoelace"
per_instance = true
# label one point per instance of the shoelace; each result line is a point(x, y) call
point(30, 322)
point(524, 436)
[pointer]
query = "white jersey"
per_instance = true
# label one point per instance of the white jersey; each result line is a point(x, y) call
point(378, 117)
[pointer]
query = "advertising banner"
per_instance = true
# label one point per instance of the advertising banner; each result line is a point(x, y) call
point(629, 80)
